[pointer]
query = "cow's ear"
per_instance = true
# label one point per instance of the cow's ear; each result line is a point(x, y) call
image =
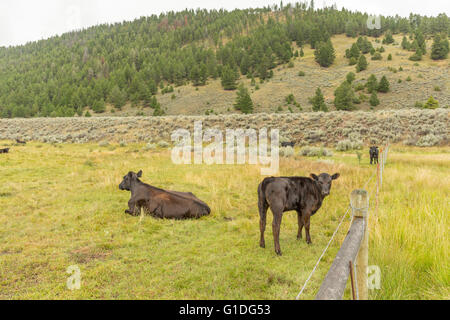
point(139, 175)
point(335, 176)
point(314, 177)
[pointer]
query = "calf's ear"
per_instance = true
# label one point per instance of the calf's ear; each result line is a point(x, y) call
point(139, 175)
point(335, 176)
point(314, 177)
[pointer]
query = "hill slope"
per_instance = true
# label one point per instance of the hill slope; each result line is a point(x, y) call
point(131, 62)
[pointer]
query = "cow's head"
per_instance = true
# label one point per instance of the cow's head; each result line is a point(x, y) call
point(128, 179)
point(324, 181)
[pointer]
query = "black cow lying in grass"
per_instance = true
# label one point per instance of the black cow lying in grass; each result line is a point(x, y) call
point(304, 195)
point(161, 203)
point(288, 144)
point(4, 150)
point(18, 141)
point(373, 155)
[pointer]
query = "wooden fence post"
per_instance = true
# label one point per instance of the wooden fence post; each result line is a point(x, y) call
point(359, 201)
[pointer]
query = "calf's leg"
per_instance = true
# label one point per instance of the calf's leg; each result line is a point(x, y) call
point(300, 225)
point(131, 207)
point(263, 207)
point(306, 222)
point(276, 225)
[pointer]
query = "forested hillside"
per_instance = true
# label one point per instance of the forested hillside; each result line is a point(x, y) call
point(133, 61)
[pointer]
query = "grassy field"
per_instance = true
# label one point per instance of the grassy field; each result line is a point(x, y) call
point(61, 206)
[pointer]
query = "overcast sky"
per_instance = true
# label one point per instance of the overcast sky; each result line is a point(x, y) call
point(29, 20)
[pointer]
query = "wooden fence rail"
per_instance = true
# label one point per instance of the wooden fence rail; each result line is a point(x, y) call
point(355, 247)
point(333, 286)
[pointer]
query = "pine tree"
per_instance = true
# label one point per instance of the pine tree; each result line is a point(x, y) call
point(362, 64)
point(99, 106)
point(405, 44)
point(350, 77)
point(431, 103)
point(228, 78)
point(243, 102)
point(344, 97)
point(388, 39)
point(383, 86)
point(325, 53)
point(374, 99)
point(440, 48)
point(117, 97)
point(195, 75)
point(354, 51)
point(318, 102)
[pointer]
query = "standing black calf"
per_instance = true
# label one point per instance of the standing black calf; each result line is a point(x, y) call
point(304, 195)
point(4, 150)
point(373, 155)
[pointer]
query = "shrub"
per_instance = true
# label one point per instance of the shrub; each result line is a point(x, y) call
point(150, 146)
point(418, 105)
point(352, 61)
point(359, 87)
point(286, 151)
point(301, 73)
point(163, 144)
point(428, 141)
point(103, 144)
point(315, 152)
point(346, 145)
point(377, 56)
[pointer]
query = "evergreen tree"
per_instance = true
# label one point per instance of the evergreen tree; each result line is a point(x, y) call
point(318, 102)
point(364, 45)
point(344, 97)
point(405, 44)
point(374, 99)
point(354, 51)
point(243, 102)
point(117, 97)
point(431, 103)
point(325, 54)
point(440, 48)
point(99, 106)
point(372, 84)
point(362, 64)
point(228, 78)
point(383, 86)
point(388, 39)
point(350, 77)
